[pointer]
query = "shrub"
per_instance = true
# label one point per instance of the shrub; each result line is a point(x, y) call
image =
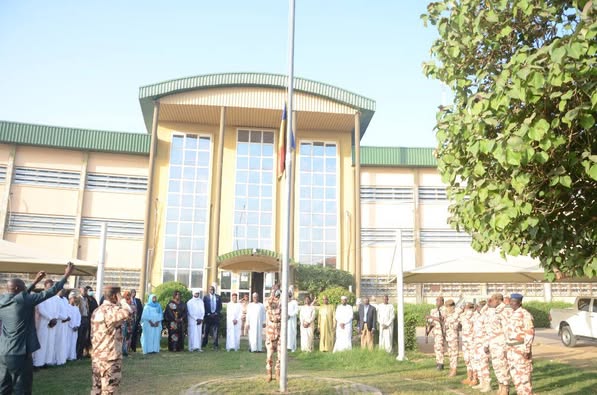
point(418, 311)
point(540, 311)
point(313, 279)
point(334, 295)
point(165, 291)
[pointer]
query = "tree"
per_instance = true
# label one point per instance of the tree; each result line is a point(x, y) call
point(518, 145)
point(165, 291)
point(314, 278)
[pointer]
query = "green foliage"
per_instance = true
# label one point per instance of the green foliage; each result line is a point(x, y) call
point(518, 146)
point(540, 311)
point(165, 291)
point(410, 330)
point(418, 311)
point(334, 295)
point(313, 278)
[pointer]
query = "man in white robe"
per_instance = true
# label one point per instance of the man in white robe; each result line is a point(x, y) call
point(293, 310)
point(46, 319)
point(195, 314)
point(62, 335)
point(256, 323)
point(233, 324)
point(385, 319)
point(344, 315)
point(73, 325)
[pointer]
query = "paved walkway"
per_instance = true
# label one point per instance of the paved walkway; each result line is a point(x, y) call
point(547, 346)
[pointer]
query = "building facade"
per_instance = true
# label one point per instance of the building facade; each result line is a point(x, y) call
point(198, 198)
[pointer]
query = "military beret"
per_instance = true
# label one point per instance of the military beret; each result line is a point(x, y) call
point(516, 296)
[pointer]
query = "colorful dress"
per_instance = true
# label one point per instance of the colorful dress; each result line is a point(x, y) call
point(175, 317)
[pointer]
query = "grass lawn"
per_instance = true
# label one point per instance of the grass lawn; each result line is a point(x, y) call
point(244, 372)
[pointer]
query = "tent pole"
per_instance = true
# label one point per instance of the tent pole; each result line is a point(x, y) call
point(101, 260)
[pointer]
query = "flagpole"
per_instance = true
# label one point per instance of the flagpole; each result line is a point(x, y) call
point(283, 352)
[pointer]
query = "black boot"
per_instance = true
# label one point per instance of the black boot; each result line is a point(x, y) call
point(440, 366)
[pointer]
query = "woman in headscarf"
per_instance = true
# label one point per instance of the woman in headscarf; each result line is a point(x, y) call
point(127, 326)
point(151, 322)
point(176, 319)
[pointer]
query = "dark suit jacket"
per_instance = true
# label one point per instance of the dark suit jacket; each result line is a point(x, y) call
point(139, 306)
point(370, 320)
point(214, 315)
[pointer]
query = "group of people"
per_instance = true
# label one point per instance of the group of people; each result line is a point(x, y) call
point(498, 329)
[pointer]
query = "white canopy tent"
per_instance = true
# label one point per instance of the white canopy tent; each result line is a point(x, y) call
point(17, 258)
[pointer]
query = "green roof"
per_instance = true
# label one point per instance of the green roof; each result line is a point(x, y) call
point(74, 138)
point(148, 94)
point(398, 157)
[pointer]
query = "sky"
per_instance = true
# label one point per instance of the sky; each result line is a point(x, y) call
point(80, 64)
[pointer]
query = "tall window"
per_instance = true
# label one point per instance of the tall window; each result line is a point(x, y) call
point(318, 203)
point(253, 203)
point(187, 209)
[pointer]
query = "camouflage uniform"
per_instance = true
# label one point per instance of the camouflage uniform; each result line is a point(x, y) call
point(272, 334)
point(496, 341)
point(438, 334)
point(481, 360)
point(520, 332)
point(451, 327)
point(106, 339)
point(466, 322)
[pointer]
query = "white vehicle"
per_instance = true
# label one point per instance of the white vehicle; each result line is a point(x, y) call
point(578, 322)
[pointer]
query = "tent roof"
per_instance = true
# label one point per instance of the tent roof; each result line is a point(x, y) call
point(17, 258)
point(478, 269)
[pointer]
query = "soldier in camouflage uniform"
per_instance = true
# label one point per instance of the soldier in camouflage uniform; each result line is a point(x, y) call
point(497, 317)
point(273, 310)
point(520, 332)
point(436, 318)
point(451, 326)
point(106, 339)
point(481, 360)
point(466, 325)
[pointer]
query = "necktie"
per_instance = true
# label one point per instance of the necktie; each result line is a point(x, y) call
point(213, 304)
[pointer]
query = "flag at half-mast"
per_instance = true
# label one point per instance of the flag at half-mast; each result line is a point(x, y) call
point(282, 143)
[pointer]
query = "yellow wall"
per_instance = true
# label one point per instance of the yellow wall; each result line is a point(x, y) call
point(57, 245)
point(121, 253)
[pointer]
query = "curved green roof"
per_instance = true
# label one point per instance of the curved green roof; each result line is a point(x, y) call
point(148, 94)
point(248, 252)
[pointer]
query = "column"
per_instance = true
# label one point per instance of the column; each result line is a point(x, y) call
point(214, 223)
point(357, 202)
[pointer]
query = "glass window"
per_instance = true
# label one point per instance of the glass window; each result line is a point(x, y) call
point(254, 190)
point(317, 212)
point(188, 188)
point(583, 304)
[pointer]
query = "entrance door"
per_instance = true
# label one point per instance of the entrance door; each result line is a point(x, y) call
point(257, 284)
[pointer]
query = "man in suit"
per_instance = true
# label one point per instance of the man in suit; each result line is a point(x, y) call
point(213, 307)
point(137, 324)
point(367, 322)
point(18, 338)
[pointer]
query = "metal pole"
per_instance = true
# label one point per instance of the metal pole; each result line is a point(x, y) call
point(283, 352)
point(400, 297)
point(101, 260)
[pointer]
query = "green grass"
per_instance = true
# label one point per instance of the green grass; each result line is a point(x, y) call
point(244, 372)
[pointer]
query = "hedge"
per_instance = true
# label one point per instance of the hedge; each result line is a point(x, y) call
point(165, 291)
point(540, 311)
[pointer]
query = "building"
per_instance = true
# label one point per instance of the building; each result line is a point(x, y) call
point(197, 198)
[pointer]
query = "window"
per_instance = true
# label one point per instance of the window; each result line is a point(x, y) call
point(594, 305)
point(373, 236)
point(115, 228)
point(2, 173)
point(370, 193)
point(52, 178)
point(432, 193)
point(187, 210)
point(116, 183)
point(444, 236)
point(317, 203)
point(583, 304)
point(254, 186)
point(41, 224)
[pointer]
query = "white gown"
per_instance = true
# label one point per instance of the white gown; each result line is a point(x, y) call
point(75, 322)
point(255, 320)
point(293, 310)
point(62, 335)
point(344, 315)
point(195, 311)
point(385, 316)
point(45, 312)
point(233, 312)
